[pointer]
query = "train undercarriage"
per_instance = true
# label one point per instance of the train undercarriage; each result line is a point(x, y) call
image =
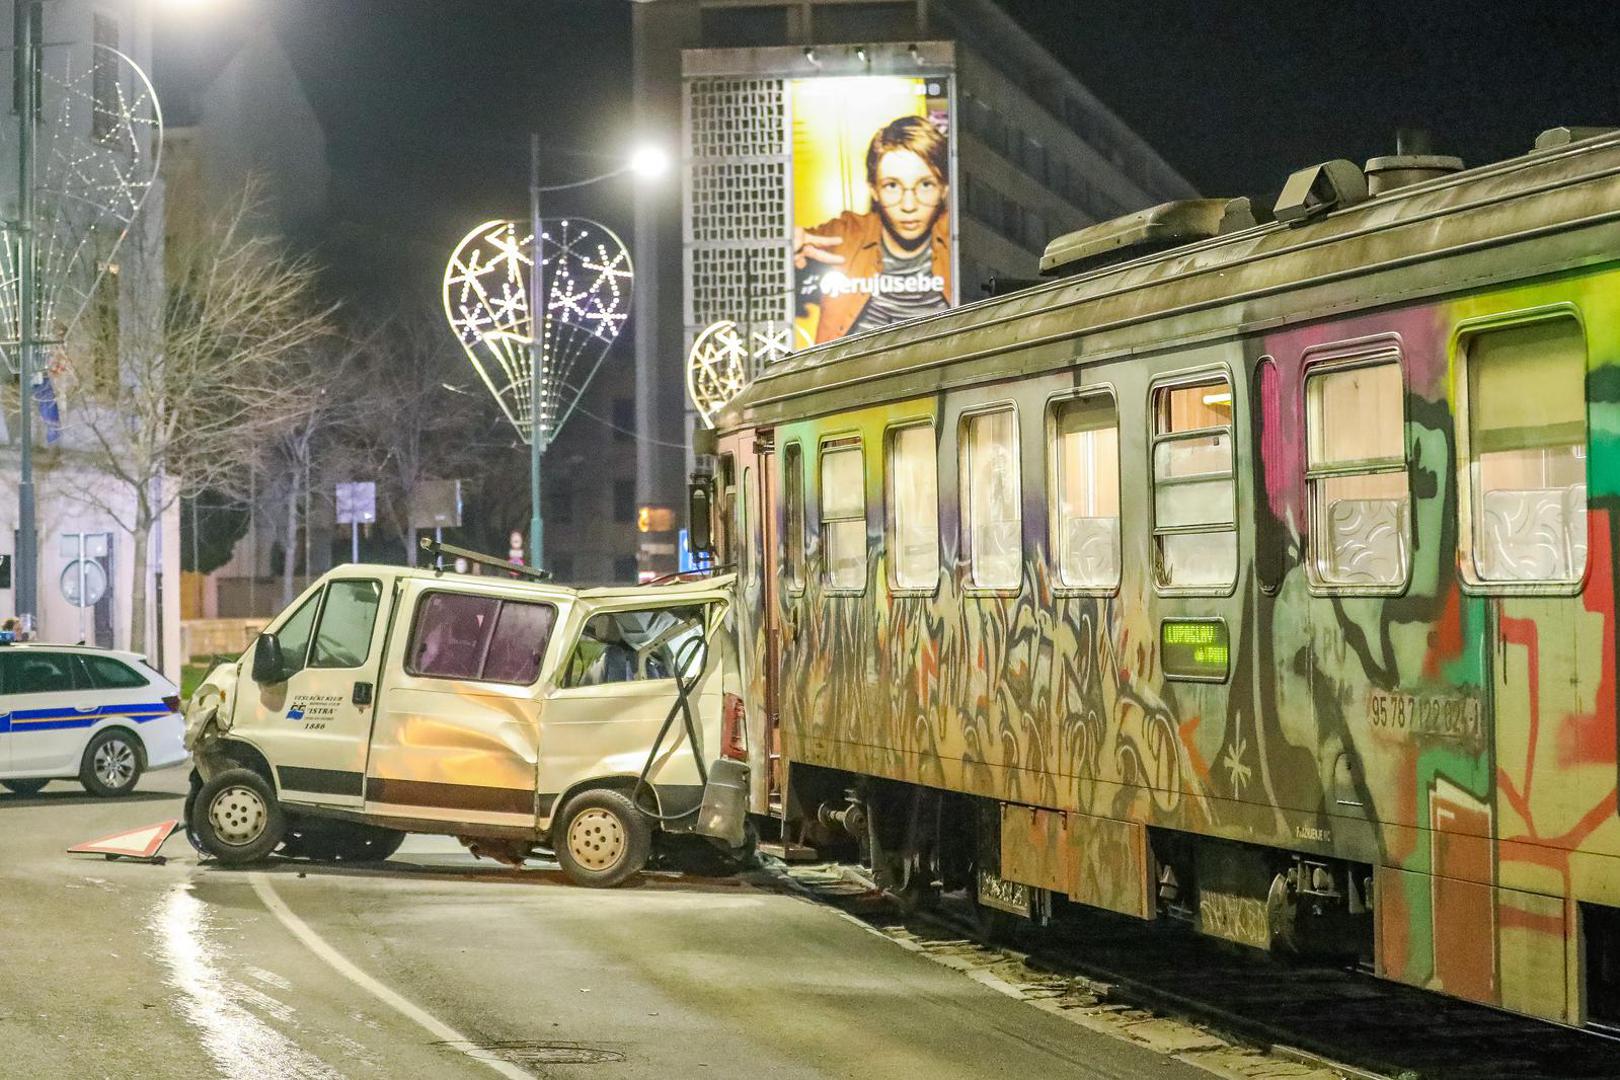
point(924, 844)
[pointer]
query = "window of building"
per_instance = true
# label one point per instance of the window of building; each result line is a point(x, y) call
point(624, 419)
point(994, 511)
point(733, 27)
point(624, 501)
point(1194, 495)
point(636, 646)
point(833, 24)
point(913, 511)
point(562, 567)
point(458, 636)
point(1084, 492)
point(36, 36)
point(1355, 469)
point(625, 569)
point(1526, 411)
point(108, 674)
point(104, 328)
point(560, 505)
point(793, 514)
point(104, 94)
point(344, 637)
point(843, 515)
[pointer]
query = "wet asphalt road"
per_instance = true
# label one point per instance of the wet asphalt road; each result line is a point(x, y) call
point(434, 965)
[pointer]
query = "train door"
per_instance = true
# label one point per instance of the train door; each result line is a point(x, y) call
point(769, 528)
point(1522, 478)
point(744, 463)
point(1196, 554)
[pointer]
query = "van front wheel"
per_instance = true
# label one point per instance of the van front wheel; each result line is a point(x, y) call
point(236, 817)
point(601, 838)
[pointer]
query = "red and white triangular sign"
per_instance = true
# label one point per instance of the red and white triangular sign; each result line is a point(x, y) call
point(141, 843)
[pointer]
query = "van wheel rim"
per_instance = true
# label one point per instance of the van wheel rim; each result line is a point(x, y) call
point(596, 839)
point(238, 815)
point(115, 763)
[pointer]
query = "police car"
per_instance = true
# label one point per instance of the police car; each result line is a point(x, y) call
point(99, 716)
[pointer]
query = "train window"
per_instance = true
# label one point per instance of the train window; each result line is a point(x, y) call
point(913, 512)
point(1526, 409)
point(793, 514)
point(1355, 468)
point(1194, 496)
point(843, 516)
point(1084, 495)
point(745, 524)
point(726, 543)
point(994, 517)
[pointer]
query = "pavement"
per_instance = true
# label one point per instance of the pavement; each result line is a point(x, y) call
point(436, 965)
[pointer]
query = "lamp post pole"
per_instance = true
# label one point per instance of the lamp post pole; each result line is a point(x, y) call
point(27, 597)
point(537, 349)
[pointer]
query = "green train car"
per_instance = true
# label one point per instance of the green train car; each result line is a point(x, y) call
point(1257, 575)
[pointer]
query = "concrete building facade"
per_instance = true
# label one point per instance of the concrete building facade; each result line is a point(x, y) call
point(1036, 155)
point(74, 498)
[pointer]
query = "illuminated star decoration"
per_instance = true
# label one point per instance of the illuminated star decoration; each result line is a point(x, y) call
point(719, 364)
point(100, 140)
point(587, 278)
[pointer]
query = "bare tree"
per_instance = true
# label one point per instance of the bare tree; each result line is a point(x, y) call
point(418, 427)
point(313, 440)
point(204, 340)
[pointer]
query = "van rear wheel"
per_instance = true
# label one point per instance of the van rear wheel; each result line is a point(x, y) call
point(601, 839)
point(237, 818)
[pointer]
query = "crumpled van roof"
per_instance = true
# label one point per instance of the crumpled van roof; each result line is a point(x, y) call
point(549, 589)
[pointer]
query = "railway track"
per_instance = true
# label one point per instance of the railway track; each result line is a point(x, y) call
point(1224, 1008)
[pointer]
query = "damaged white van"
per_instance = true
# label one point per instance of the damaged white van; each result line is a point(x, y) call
point(516, 715)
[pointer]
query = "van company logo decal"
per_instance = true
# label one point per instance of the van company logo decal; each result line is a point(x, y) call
point(313, 709)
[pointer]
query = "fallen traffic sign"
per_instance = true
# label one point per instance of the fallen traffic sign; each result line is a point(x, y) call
point(141, 843)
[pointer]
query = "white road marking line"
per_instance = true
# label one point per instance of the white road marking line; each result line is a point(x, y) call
point(341, 964)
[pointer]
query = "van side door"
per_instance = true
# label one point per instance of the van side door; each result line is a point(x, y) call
point(457, 732)
point(314, 724)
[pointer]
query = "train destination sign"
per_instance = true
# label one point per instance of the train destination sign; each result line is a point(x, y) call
point(1194, 649)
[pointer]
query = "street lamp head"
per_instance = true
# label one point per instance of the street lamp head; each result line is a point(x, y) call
point(649, 162)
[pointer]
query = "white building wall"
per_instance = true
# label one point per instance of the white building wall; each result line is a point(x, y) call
point(62, 476)
point(63, 487)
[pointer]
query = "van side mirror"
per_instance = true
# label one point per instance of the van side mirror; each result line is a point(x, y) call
point(700, 535)
point(268, 666)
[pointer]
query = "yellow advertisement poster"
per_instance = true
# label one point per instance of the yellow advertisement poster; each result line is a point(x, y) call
point(871, 202)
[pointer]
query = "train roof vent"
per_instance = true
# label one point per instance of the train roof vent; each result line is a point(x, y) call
point(1553, 138)
point(1157, 228)
point(1398, 170)
point(1316, 190)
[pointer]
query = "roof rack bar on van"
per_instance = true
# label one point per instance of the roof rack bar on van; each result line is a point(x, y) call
point(437, 548)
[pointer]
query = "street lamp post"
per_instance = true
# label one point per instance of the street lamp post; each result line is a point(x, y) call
point(537, 358)
point(27, 602)
point(499, 302)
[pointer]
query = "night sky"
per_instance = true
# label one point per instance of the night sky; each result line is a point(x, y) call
point(426, 103)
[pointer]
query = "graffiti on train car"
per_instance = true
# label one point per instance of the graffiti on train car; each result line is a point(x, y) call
point(1417, 671)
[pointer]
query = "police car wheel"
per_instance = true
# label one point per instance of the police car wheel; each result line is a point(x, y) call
point(601, 839)
point(112, 763)
point(237, 818)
